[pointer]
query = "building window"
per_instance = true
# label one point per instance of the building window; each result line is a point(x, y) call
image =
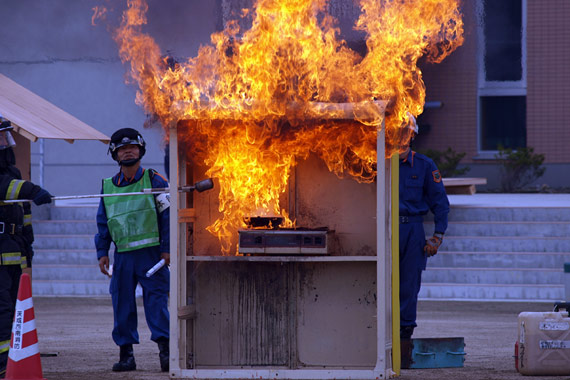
point(502, 74)
point(503, 122)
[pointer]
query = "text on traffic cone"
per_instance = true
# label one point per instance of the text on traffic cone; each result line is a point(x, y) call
point(24, 361)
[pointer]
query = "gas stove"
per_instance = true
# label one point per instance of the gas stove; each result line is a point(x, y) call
point(300, 241)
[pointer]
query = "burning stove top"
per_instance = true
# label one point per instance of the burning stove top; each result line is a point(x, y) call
point(300, 241)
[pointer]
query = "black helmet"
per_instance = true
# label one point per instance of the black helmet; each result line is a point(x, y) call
point(5, 128)
point(126, 136)
point(7, 156)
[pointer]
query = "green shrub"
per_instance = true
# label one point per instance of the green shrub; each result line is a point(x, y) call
point(519, 168)
point(447, 161)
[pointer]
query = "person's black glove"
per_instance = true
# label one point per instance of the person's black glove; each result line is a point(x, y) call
point(42, 197)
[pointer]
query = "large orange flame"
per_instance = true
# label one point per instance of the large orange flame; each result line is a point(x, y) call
point(254, 101)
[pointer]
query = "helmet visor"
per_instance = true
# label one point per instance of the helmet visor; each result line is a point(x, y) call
point(125, 141)
point(6, 140)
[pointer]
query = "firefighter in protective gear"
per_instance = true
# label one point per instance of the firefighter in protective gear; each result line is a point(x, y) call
point(421, 190)
point(138, 225)
point(16, 234)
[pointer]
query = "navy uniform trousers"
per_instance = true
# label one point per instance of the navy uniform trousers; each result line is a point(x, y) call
point(128, 269)
point(421, 190)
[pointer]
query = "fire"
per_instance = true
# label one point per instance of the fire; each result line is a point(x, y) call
point(254, 102)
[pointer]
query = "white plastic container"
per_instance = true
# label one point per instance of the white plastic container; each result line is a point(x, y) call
point(544, 343)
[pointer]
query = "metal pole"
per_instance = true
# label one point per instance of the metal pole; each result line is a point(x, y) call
point(151, 191)
point(176, 258)
point(199, 186)
point(381, 363)
point(41, 164)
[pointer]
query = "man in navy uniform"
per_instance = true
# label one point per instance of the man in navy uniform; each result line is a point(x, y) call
point(138, 225)
point(421, 190)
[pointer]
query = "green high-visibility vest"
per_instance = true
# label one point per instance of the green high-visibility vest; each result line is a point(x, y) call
point(131, 219)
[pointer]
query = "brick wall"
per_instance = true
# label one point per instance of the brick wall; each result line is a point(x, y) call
point(548, 78)
point(454, 82)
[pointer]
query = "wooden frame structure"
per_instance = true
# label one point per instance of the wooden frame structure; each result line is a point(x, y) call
point(226, 359)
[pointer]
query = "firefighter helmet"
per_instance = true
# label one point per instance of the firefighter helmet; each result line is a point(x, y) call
point(126, 136)
point(412, 124)
point(6, 138)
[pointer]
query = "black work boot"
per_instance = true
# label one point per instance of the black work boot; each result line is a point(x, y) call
point(406, 346)
point(126, 359)
point(164, 353)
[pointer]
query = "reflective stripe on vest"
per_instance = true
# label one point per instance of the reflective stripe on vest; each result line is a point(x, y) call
point(132, 219)
point(4, 346)
point(12, 258)
point(14, 189)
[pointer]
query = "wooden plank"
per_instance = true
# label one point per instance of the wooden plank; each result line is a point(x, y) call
point(35, 117)
point(462, 186)
point(187, 312)
point(369, 111)
point(33, 104)
point(464, 181)
point(186, 215)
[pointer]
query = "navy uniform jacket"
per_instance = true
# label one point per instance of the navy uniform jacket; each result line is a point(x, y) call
point(103, 238)
point(421, 190)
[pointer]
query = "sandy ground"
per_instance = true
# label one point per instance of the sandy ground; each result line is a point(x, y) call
point(78, 331)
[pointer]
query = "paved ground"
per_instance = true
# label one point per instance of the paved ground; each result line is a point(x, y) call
point(78, 330)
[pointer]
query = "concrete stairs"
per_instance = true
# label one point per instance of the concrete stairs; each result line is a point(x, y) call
point(65, 260)
point(500, 254)
point(488, 253)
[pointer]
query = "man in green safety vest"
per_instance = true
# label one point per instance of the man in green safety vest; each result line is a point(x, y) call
point(16, 234)
point(138, 225)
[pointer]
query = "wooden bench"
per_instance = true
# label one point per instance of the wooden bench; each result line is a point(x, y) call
point(462, 185)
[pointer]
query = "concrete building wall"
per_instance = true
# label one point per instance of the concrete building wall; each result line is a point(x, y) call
point(454, 83)
point(52, 48)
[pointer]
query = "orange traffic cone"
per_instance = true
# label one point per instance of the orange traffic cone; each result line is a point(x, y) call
point(24, 361)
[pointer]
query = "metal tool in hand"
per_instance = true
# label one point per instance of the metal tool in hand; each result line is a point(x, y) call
point(199, 186)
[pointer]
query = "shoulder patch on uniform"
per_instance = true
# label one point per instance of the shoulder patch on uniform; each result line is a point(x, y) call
point(436, 176)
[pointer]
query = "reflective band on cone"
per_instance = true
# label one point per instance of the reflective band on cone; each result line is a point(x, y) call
point(24, 361)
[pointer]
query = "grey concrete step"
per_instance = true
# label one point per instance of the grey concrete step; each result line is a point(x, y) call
point(65, 260)
point(505, 228)
point(520, 214)
point(469, 259)
point(67, 272)
point(66, 227)
point(70, 288)
point(504, 276)
point(71, 213)
point(506, 244)
point(492, 292)
point(65, 257)
point(493, 253)
point(63, 241)
point(500, 254)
